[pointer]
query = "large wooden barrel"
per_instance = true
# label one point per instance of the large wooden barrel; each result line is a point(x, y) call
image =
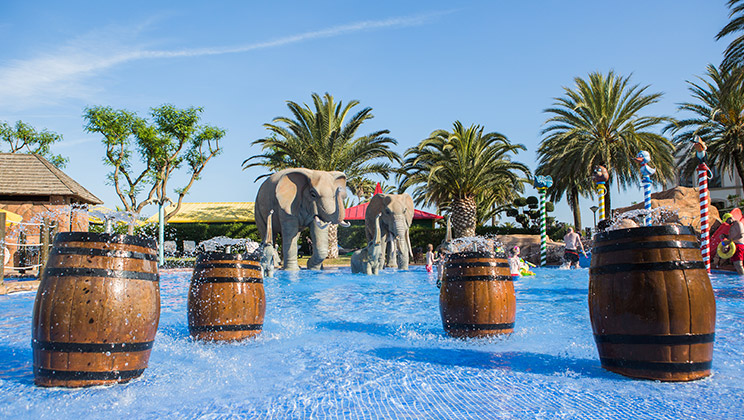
point(477, 295)
point(96, 311)
point(226, 297)
point(651, 303)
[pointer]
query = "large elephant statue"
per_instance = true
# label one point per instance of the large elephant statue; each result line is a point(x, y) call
point(396, 216)
point(302, 198)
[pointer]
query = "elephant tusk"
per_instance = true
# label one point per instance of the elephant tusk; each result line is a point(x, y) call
point(344, 224)
point(320, 223)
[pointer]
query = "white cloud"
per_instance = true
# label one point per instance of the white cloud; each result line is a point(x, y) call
point(63, 74)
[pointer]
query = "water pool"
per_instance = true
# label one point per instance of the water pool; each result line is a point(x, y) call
point(337, 345)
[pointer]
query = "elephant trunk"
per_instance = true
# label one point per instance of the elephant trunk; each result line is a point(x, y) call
point(403, 242)
point(403, 249)
point(378, 231)
point(340, 209)
point(269, 232)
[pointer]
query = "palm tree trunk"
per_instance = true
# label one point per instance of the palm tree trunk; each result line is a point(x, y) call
point(332, 241)
point(463, 217)
point(608, 204)
point(576, 208)
point(739, 165)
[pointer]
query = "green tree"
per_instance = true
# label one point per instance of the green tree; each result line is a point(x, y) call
point(456, 169)
point(174, 141)
point(526, 211)
point(321, 138)
point(22, 138)
point(599, 123)
point(717, 117)
point(733, 55)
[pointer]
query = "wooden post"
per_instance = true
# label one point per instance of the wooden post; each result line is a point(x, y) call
point(2, 249)
point(44, 242)
point(22, 251)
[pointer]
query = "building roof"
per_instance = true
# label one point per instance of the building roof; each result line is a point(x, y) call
point(31, 174)
point(210, 213)
point(358, 212)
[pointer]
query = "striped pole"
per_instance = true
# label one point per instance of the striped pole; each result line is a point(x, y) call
point(543, 229)
point(602, 190)
point(704, 228)
point(647, 199)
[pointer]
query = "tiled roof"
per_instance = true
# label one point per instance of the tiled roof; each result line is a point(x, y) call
point(210, 213)
point(25, 174)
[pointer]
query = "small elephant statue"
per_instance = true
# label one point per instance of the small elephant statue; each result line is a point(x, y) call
point(396, 216)
point(302, 198)
point(269, 257)
point(366, 260)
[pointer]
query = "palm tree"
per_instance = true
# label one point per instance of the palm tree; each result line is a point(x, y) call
point(718, 120)
point(599, 123)
point(457, 169)
point(321, 138)
point(733, 55)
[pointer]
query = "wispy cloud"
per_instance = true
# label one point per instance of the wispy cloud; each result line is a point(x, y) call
point(65, 73)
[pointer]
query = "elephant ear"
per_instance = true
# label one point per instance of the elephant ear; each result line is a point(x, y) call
point(339, 179)
point(289, 190)
point(373, 209)
point(408, 201)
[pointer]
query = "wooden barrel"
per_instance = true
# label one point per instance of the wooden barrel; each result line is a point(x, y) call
point(96, 311)
point(226, 297)
point(651, 303)
point(477, 295)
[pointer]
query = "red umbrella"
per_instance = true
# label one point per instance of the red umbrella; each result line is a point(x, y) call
point(378, 189)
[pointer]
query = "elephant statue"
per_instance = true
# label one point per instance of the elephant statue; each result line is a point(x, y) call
point(367, 260)
point(396, 216)
point(269, 257)
point(302, 198)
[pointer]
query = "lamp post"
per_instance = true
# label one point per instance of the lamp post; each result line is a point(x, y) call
point(594, 212)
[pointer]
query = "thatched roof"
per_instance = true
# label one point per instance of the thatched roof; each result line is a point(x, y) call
point(32, 175)
point(211, 213)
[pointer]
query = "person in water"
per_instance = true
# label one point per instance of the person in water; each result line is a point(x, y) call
point(430, 260)
point(515, 261)
point(736, 236)
point(573, 243)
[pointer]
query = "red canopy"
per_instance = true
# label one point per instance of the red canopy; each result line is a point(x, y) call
point(358, 212)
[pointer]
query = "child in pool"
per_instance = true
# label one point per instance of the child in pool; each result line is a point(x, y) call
point(516, 265)
point(430, 260)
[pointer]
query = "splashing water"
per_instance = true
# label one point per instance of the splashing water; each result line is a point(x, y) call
point(476, 244)
point(634, 218)
point(229, 245)
point(110, 218)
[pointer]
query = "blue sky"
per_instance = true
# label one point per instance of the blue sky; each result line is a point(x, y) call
point(419, 65)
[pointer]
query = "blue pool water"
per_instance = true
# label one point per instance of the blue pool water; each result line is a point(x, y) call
point(337, 345)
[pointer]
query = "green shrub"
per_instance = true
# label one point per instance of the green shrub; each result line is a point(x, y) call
point(352, 237)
